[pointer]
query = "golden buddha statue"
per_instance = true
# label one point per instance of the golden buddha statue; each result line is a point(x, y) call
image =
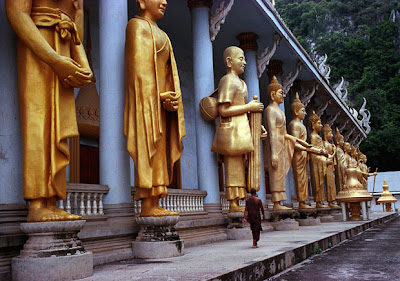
point(340, 165)
point(362, 160)
point(233, 138)
point(330, 168)
point(318, 163)
point(153, 115)
point(300, 158)
point(51, 62)
point(280, 145)
point(387, 198)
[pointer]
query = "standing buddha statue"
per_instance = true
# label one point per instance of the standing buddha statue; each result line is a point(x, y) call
point(318, 163)
point(330, 168)
point(300, 157)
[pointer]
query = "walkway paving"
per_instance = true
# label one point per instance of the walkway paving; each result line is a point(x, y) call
point(235, 259)
point(372, 255)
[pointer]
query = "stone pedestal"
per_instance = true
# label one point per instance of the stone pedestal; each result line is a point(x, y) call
point(235, 230)
point(53, 251)
point(324, 214)
point(235, 220)
point(283, 214)
point(157, 238)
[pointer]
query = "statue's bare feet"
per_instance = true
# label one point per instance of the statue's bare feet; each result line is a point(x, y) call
point(157, 212)
point(320, 205)
point(332, 205)
point(65, 216)
point(236, 209)
point(279, 207)
point(42, 215)
point(305, 206)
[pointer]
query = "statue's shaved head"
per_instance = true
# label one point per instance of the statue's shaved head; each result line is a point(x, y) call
point(229, 51)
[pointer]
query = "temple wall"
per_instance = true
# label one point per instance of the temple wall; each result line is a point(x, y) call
point(10, 135)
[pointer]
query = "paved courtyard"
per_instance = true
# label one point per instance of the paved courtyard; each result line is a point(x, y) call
point(236, 260)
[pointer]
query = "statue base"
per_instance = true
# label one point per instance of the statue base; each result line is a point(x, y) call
point(157, 238)
point(53, 251)
point(235, 220)
point(307, 213)
point(282, 214)
point(285, 225)
point(309, 221)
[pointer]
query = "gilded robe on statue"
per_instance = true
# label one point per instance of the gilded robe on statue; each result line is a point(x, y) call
point(330, 176)
point(317, 169)
point(47, 108)
point(154, 135)
point(285, 149)
point(299, 168)
point(233, 140)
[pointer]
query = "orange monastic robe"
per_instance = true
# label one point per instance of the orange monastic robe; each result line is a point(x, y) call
point(154, 135)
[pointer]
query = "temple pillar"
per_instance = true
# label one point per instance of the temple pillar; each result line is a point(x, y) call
point(248, 43)
point(11, 189)
point(203, 80)
point(114, 158)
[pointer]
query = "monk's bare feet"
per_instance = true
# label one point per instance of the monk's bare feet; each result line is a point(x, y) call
point(320, 205)
point(332, 205)
point(305, 206)
point(42, 215)
point(279, 207)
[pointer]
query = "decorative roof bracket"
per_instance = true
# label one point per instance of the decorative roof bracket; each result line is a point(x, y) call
point(217, 19)
point(265, 56)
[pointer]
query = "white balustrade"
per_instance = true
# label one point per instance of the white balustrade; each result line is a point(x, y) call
point(84, 199)
point(178, 200)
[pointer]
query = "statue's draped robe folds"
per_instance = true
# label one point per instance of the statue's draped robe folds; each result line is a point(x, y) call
point(233, 140)
point(154, 135)
point(330, 177)
point(340, 169)
point(47, 108)
point(284, 148)
point(318, 169)
point(363, 178)
point(299, 165)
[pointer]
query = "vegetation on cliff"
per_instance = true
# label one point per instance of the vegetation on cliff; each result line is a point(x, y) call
point(362, 41)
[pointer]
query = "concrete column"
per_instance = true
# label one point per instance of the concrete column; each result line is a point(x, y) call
point(248, 42)
point(203, 76)
point(364, 210)
point(344, 211)
point(10, 134)
point(114, 158)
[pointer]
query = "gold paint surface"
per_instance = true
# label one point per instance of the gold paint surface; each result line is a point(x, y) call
point(51, 62)
point(153, 114)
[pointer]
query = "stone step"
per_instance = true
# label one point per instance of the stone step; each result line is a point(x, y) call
point(199, 236)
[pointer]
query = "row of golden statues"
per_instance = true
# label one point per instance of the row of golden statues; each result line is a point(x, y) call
point(52, 61)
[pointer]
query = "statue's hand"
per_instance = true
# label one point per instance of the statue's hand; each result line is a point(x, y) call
point(170, 105)
point(264, 133)
point(274, 162)
point(71, 74)
point(255, 106)
point(173, 96)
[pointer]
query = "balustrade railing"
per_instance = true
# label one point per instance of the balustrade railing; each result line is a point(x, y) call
point(84, 199)
point(178, 200)
point(225, 203)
